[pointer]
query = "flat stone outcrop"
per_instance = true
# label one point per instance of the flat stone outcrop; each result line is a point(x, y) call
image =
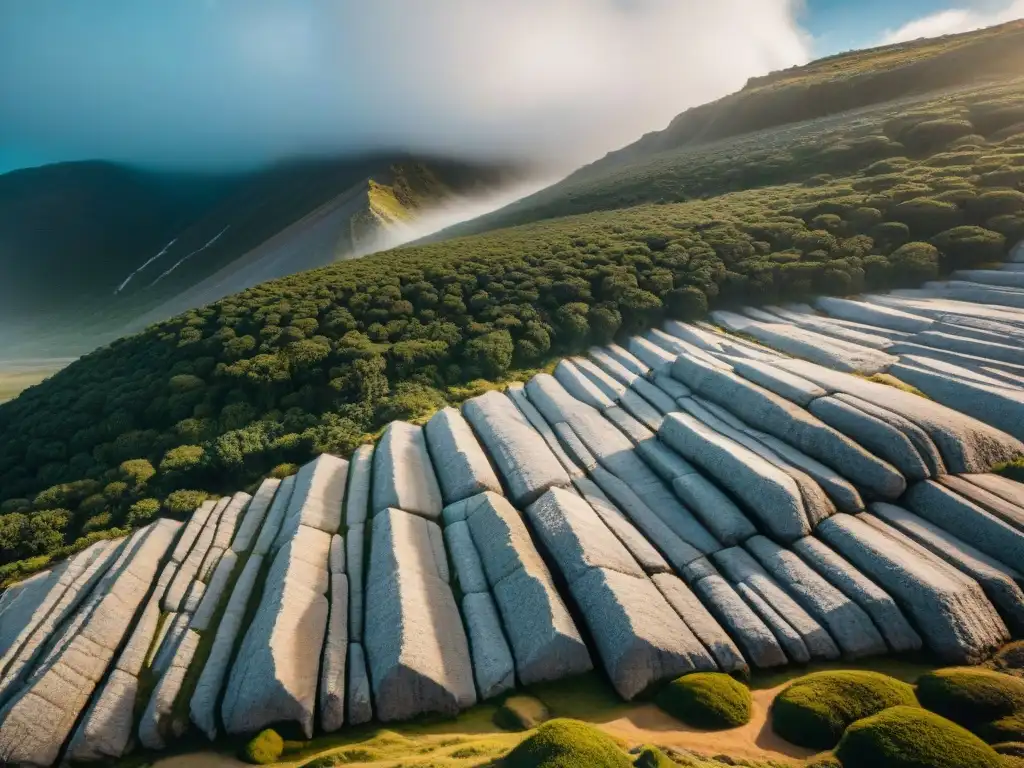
point(640, 409)
point(847, 622)
point(790, 386)
point(335, 661)
point(403, 475)
point(192, 528)
point(520, 454)
point(639, 636)
point(39, 719)
point(789, 638)
point(417, 649)
point(899, 635)
point(355, 555)
point(701, 623)
point(581, 386)
point(255, 513)
point(952, 618)
point(924, 447)
point(545, 642)
point(1000, 582)
point(275, 517)
point(203, 703)
point(360, 705)
point(493, 666)
point(627, 359)
point(517, 393)
point(741, 569)
point(650, 354)
point(469, 571)
point(1007, 507)
point(159, 721)
point(317, 498)
point(275, 674)
point(1003, 487)
point(777, 416)
point(873, 314)
point(751, 634)
point(360, 472)
point(203, 617)
point(228, 521)
point(610, 386)
point(966, 444)
point(461, 464)
point(174, 596)
point(968, 521)
point(767, 492)
point(612, 366)
point(877, 435)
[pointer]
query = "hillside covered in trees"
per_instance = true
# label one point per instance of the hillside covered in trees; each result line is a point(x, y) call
point(216, 398)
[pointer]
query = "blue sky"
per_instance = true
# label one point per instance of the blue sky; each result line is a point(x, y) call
point(222, 84)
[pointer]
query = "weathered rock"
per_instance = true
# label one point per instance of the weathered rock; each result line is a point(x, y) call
point(863, 336)
point(1000, 582)
point(876, 602)
point(360, 470)
point(521, 455)
point(610, 386)
point(872, 314)
point(106, 731)
point(924, 446)
point(493, 667)
point(676, 346)
point(873, 433)
point(971, 345)
point(187, 572)
point(1003, 487)
point(40, 717)
point(630, 426)
point(967, 445)
point(1009, 510)
point(640, 637)
point(580, 386)
point(416, 646)
point(752, 635)
point(789, 639)
point(612, 367)
point(206, 569)
point(517, 393)
point(192, 528)
point(627, 359)
point(670, 386)
point(332, 673)
point(653, 356)
point(639, 547)
point(469, 571)
point(275, 674)
point(460, 463)
point(846, 621)
point(777, 416)
point(946, 611)
point(249, 526)
point(767, 492)
point(317, 498)
point(403, 475)
point(159, 722)
point(545, 642)
point(785, 384)
point(639, 408)
point(275, 517)
point(177, 626)
point(355, 548)
point(228, 521)
point(655, 395)
point(703, 625)
point(740, 568)
point(203, 617)
point(202, 705)
point(360, 709)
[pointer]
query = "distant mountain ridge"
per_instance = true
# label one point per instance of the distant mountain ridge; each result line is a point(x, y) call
point(94, 246)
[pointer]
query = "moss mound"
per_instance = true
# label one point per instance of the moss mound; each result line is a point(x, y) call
point(911, 737)
point(652, 757)
point(709, 700)
point(521, 713)
point(986, 702)
point(566, 743)
point(815, 710)
point(1010, 659)
point(265, 748)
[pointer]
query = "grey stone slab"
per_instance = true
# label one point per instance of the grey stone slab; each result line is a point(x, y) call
point(630, 426)
point(653, 356)
point(255, 513)
point(192, 528)
point(517, 393)
point(159, 723)
point(655, 394)
point(610, 386)
point(785, 384)
point(872, 314)
point(469, 571)
point(188, 571)
point(581, 386)
point(789, 639)
point(203, 616)
point(519, 452)
point(1003, 487)
point(899, 635)
point(966, 444)
point(640, 409)
point(106, 731)
point(924, 447)
point(493, 666)
point(1009, 510)
point(360, 705)
point(228, 520)
point(360, 471)
point(316, 499)
point(335, 660)
point(611, 366)
point(275, 517)
point(460, 463)
point(355, 555)
point(627, 359)
point(39, 719)
point(845, 620)
point(751, 634)
point(950, 616)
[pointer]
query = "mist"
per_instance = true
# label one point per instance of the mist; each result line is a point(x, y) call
point(223, 84)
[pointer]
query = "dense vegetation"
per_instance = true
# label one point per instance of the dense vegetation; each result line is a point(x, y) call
point(909, 737)
point(815, 710)
point(709, 700)
point(213, 400)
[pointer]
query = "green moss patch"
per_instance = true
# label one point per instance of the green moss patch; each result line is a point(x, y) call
point(911, 737)
point(567, 744)
point(815, 710)
point(986, 702)
point(709, 700)
point(265, 748)
point(652, 757)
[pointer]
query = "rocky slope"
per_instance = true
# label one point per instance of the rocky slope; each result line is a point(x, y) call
point(699, 499)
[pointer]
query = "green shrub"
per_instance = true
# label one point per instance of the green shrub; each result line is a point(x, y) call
point(264, 748)
point(709, 700)
point(652, 757)
point(931, 135)
point(521, 713)
point(815, 710)
point(566, 743)
point(964, 247)
point(989, 703)
point(913, 264)
point(910, 737)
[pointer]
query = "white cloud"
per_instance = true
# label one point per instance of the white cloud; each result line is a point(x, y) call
point(954, 20)
point(229, 81)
